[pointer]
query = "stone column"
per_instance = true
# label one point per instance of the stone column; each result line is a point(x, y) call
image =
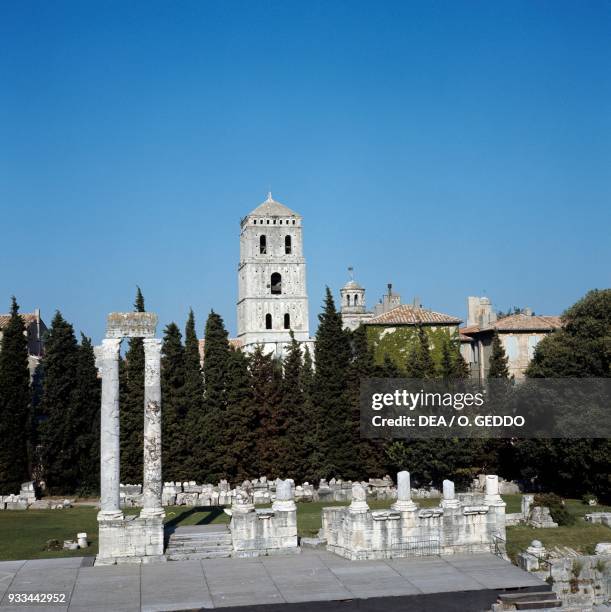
point(404, 501)
point(359, 499)
point(285, 501)
point(152, 483)
point(107, 360)
point(449, 497)
point(492, 496)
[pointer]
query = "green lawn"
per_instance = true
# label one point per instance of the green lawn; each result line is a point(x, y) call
point(23, 534)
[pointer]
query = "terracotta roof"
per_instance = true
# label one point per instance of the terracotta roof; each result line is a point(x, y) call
point(271, 208)
point(517, 322)
point(406, 314)
point(27, 319)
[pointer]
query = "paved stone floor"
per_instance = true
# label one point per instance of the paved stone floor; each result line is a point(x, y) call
point(212, 583)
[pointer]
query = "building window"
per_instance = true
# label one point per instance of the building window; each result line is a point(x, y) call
point(255, 221)
point(293, 221)
point(268, 321)
point(276, 283)
point(262, 245)
point(280, 221)
point(356, 300)
point(287, 245)
point(287, 321)
point(268, 222)
point(511, 348)
point(348, 298)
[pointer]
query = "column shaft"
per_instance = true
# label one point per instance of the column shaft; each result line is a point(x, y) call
point(108, 361)
point(151, 484)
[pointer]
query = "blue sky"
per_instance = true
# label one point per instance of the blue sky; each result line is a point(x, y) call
point(452, 148)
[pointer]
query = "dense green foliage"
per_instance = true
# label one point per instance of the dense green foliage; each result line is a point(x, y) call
point(499, 363)
point(132, 406)
point(15, 403)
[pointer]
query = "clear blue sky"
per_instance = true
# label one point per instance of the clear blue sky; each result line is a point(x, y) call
point(449, 147)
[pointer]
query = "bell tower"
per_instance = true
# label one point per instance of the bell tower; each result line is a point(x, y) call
point(272, 294)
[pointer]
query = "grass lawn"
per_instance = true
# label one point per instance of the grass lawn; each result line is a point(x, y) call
point(24, 533)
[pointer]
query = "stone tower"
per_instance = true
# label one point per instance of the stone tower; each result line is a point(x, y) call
point(272, 295)
point(353, 307)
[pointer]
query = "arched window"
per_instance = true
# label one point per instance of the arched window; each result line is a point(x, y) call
point(287, 321)
point(268, 321)
point(348, 298)
point(262, 244)
point(276, 283)
point(356, 299)
point(287, 245)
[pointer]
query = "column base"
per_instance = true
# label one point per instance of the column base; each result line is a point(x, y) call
point(110, 515)
point(147, 513)
point(404, 506)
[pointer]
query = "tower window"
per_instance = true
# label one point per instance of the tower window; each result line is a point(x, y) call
point(268, 321)
point(348, 297)
point(276, 283)
point(293, 221)
point(287, 321)
point(280, 221)
point(255, 221)
point(287, 245)
point(268, 222)
point(356, 300)
point(262, 244)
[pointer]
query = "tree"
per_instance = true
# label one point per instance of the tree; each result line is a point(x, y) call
point(453, 365)
point(298, 418)
point(420, 361)
point(15, 402)
point(173, 412)
point(132, 406)
point(388, 369)
point(370, 460)
point(58, 408)
point(583, 348)
point(216, 365)
point(335, 452)
point(86, 398)
point(266, 377)
point(240, 459)
point(499, 364)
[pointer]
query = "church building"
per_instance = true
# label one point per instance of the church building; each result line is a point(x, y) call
point(272, 293)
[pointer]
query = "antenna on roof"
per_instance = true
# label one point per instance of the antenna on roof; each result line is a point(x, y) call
point(351, 272)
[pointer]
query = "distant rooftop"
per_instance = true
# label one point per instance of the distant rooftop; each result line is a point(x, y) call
point(518, 322)
point(30, 317)
point(408, 314)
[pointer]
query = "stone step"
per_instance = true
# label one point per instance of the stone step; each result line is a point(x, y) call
point(193, 550)
point(207, 540)
point(539, 604)
point(197, 555)
point(526, 595)
point(196, 548)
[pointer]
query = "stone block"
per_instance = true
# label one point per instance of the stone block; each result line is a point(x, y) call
point(131, 325)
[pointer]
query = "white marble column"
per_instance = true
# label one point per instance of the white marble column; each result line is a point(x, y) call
point(107, 360)
point(449, 496)
point(404, 501)
point(492, 496)
point(152, 483)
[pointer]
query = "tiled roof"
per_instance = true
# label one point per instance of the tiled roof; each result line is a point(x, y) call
point(27, 319)
point(406, 314)
point(517, 322)
point(271, 208)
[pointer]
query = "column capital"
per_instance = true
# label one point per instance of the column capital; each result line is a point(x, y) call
point(151, 345)
point(109, 349)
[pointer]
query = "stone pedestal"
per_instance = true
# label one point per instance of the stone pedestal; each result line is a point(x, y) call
point(449, 497)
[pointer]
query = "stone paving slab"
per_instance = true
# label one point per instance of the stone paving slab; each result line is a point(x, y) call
point(314, 575)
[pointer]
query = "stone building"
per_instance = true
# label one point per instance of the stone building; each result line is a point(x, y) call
point(272, 294)
point(353, 306)
point(519, 335)
point(394, 332)
point(34, 331)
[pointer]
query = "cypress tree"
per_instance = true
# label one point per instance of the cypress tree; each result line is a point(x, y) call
point(216, 365)
point(460, 369)
point(370, 459)
point(15, 402)
point(298, 419)
point(59, 410)
point(335, 451)
point(194, 402)
point(446, 370)
point(420, 362)
point(173, 411)
point(240, 457)
point(498, 366)
point(388, 369)
point(86, 400)
point(132, 407)
point(266, 377)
